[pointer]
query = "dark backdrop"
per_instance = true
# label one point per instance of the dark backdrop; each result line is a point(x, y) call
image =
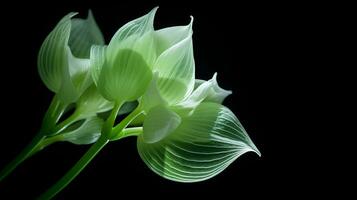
point(251, 46)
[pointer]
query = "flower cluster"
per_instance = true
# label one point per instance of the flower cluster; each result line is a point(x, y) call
point(184, 132)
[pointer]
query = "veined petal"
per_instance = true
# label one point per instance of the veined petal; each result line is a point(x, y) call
point(53, 55)
point(167, 37)
point(97, 59)
point(87, 133)
point(216, 94)
point(125, 79)
point(152, 96)
point(84, 34)
point(92, 102)
point(127, 36)
point(159, 123)
point(202, 146)
point(176, 68)
point(204, 91)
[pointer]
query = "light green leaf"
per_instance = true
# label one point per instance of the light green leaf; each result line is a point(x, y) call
point(125, 79)
point(87, 133)
point(159, 123)
point(202, 146)
point(176, 68)
point(84, 34)
point(91, 102)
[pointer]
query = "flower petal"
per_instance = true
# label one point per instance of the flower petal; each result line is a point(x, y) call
point(52, 57)
point(176, 68)
point(202, 146)
point(84, 33)
point(126, 78)
point(128, 35)
point(167, 37)
point(87, 133)
point(159, 123)
point(217, 94)
point(92, 102)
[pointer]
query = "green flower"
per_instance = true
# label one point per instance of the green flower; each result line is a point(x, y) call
point(63, 60)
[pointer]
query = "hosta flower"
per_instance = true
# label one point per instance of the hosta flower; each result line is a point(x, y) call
point(63, 60)
point(184, 133)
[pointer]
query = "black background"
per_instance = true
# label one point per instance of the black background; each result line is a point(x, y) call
point(255, 48)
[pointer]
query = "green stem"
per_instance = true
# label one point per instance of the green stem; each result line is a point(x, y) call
point(128, 132)
point(25, 153)
point(79, 166)
point(109, 123)
point(53, 114)
point(76, 169)
point(126, 121)
point(64, 124)
point(46, 142)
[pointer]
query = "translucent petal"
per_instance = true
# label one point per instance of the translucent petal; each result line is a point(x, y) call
point(87, 133)
point(152, 96)
point(204, 91)
point(52, 57)
point(97, 59)
point(167, 37)
point(176, 68)
point(159, 123)
point(217, 94)
point(92, 102)
point(84, 33)
point(202, 146)
point(125, 79)
point(127, 35)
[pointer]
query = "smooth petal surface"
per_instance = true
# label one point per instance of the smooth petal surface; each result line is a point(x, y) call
point(87, 133)
point(202, 146)
point(159, 123)
point(84, 34)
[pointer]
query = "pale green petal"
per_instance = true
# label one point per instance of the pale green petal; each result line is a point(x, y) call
point(87, 133)
point(62, 72)
point(159, 123)
point(97, 59)
point(53, 55)
point(152, 96)
point(202, 146)
point(84, 34)
point(176, 68)
point(167, 37)
point(208, 91)
point(92, 102)
point(217, 94)
point(125, 79)
point(128, 34)
point(125, 74)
